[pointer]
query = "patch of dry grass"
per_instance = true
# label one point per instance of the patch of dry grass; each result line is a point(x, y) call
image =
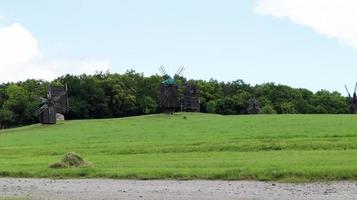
point(69, 160)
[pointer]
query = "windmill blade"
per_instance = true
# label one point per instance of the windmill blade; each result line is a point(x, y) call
point(348, 92)
point(43, 100)
point(163, 70)
point(40, 110)
point(180, 71)
point(355, 88)
point(57, 98)
point(49, 93)
point(67, 101)
point(62, 93)
point(61, 108)
point(59, 94)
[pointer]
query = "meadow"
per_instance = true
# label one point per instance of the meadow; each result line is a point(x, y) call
point(189, 146)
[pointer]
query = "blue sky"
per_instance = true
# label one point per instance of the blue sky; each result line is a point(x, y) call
point(225, 40)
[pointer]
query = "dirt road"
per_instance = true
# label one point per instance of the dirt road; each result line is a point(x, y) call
point(171, 190)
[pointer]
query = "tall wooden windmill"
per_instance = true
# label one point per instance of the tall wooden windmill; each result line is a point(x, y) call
point(56, 102)
point(168, 90)
point(352, 99)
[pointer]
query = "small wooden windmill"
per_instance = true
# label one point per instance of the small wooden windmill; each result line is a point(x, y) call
point(56, 102)
point(191, 98)
point(168, 91)
point(254, 106)
point(352, 99)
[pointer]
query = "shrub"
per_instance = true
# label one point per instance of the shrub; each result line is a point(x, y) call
point(211, 107)
point(267, 109)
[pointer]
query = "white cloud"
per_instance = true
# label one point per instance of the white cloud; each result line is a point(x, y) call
point(21, 58)
point(17, 45)
point(332, 18)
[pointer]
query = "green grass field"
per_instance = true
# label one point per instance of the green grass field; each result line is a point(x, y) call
point(202, 146)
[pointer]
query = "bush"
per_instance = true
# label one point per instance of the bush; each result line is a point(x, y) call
point(288, 108)
point(211, 107)
point(267, 109)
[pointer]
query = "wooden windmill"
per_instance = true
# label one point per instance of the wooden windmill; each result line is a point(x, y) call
point(352, 99)
point(56, 102)
point(254, 106)
point(168, 91)
point(191, 99)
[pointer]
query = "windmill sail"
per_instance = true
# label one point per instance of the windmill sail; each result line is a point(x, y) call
point(163, 72)
point(179, 71)
point(348, 92)
point(352, 99)
point(56, 101)
point(40, 110)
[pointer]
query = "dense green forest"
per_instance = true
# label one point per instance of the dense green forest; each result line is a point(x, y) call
point(107, 95)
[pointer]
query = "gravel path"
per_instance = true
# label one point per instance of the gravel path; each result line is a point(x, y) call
point(186, 190)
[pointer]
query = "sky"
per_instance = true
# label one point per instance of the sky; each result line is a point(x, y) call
point(302, 43)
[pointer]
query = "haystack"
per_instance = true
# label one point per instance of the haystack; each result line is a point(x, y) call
point(70, 160)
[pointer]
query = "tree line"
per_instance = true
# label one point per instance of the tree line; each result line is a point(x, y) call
point(109, 95)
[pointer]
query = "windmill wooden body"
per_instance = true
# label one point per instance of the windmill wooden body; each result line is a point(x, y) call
point(352, 99)
point(56, 101)
point(168, 91)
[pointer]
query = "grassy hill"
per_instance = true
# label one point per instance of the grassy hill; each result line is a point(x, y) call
point(189, 146)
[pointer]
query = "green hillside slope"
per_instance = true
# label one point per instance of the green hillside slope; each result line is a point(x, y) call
point(198, 146)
